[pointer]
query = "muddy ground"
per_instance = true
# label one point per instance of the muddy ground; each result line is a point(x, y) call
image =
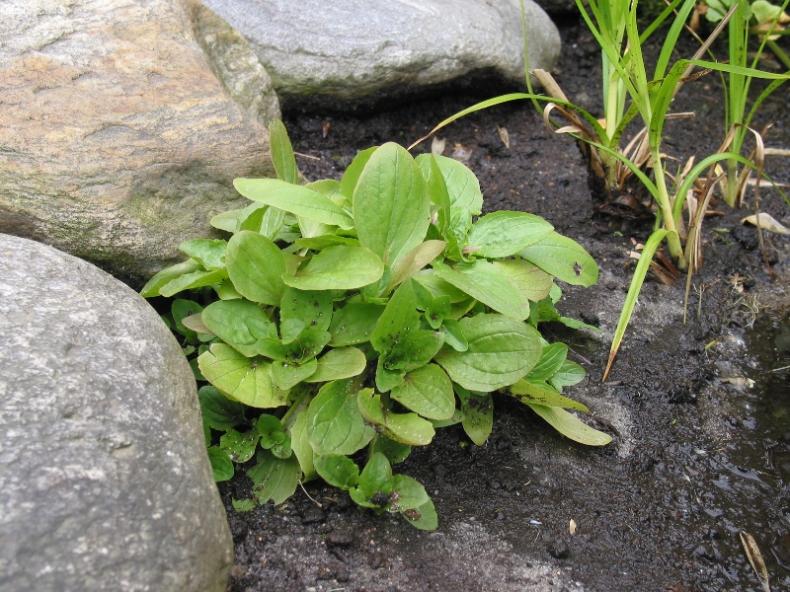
point(698, 454)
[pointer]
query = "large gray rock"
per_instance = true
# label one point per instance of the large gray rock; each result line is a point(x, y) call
point(104, 480)
point(352, 49)
point(119, 132)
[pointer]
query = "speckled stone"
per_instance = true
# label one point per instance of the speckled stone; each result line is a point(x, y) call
point(122, 126)
point(318, 51)
point(104, 481)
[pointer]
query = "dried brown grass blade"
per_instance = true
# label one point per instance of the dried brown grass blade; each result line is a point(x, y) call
point(755, 558)
point(694, 240)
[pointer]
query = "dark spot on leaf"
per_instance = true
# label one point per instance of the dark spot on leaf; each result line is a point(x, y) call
point(412, 514)
point(380, 499)
point(577, 269)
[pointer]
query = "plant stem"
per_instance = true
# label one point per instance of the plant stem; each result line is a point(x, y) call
point(673, 239)
point(732, 183)
point(780, 54)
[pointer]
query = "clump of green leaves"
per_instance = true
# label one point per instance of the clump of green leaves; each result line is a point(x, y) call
point(343, 322)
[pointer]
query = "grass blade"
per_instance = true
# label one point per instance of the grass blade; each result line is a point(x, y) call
point(651, 246)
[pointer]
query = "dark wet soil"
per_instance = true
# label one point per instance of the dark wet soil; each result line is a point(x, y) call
point(700, 451)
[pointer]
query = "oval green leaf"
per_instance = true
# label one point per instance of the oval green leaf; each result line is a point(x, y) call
point(334, 421)
point(406, 428)
point(486, 283)
point(571, 426)
point(240, 323)
point(427, 391)
point(337, 470)
point(504, 233)
point(239, 378)
point(563, 258)
point(296, 199)
point(255, 266)
point(530, 280)
point(501, 351)
point(391, 208)
point(340, 363)
point(542, 394)
point(342, 267)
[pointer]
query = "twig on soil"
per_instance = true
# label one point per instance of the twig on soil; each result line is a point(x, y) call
point(310, 497)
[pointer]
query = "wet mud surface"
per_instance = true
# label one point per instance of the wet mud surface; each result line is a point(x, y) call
point(700, 413)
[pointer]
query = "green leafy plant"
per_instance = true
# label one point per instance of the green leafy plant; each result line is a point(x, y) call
point(745, 21)
point(343, 322)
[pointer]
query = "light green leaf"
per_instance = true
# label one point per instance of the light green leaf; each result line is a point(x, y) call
point(221, 465)
point(219, 412)
point(274, 478)
point(462, 185)
point(287, 376)
point(454, 336)
point(552, 357)
point(486, 283)
point(354, 323)
point(531, 282)
point(181, 309)
point(337, 470)
point(273, 436)
point(400, 317)
point(423, 518)
point(504, 233)
point(457, 418)
point(765, 12)
point(300, 309)
point(569, 373)
point(296, 199)
point(415, 260)
point(400, 341)
point(478, 415)
point(438, 287)
point(437, 191)
point(339, 363)
point(255, 266)
point(317, 243)
point(191, 281)
point(239, 378)
point(394, 451)
point(413, 350)
point(391, 208)
point(571, 426)
point(350, 177)
point(241, 324)
point(427, 391)
point(210, 253)
point(243, 505)
point(272, 223)
point(240, 447)
point(340, 267)
point(300, 443)
point(283, 157)
point(166, 275)
point(387, 379)
point(309, 344)
point(375, 483)
point(195, 324)
point(411, 493)
point(464, 195)
point(334, 421)
point(231, 220)
point(226, 291)
point(501, 351)
point(406, 428)
point(563, 258)
point(542, 394)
